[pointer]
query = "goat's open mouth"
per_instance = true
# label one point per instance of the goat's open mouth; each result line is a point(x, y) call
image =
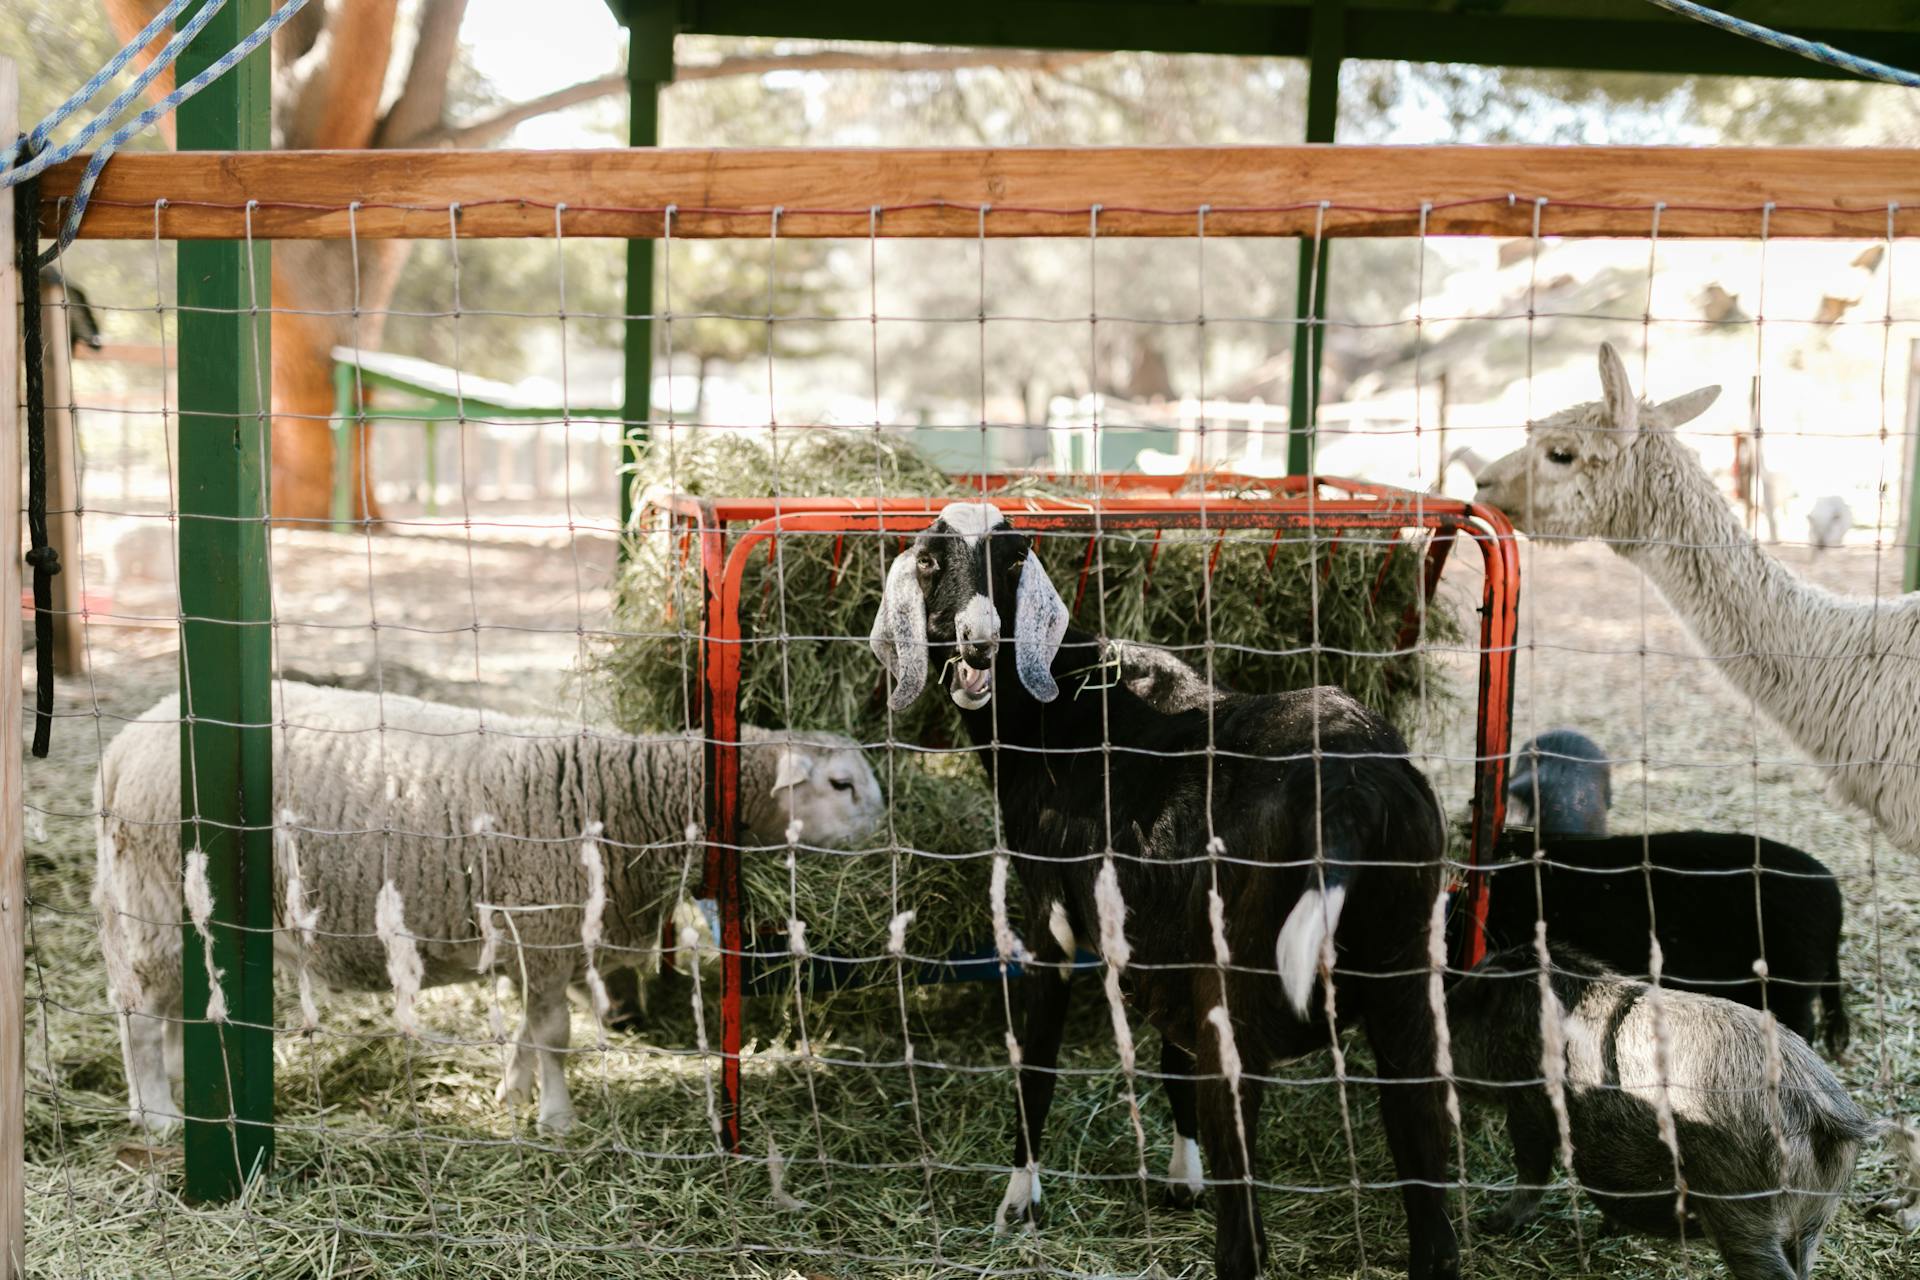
point(972, 686)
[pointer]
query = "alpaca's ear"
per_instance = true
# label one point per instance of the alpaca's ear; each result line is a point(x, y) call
point(1039, 623)
point(1683, 409)
point(899, 636)
point(1623, 407)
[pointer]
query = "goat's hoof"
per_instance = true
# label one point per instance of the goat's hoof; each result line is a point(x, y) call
point(1021, 1205)
point(1241, 1260)
point(512, 1094)
point(1505, 1221)
point(556, 1124)
point(1178, 1195)
point(154, 1124)
point(1022, 1218)
point(1441, 1264)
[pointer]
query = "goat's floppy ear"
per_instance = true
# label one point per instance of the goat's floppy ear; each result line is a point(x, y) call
point(1039, 621)
point(1683, 409)
point(1623, 407)
point(899, 636)
point(795, 768)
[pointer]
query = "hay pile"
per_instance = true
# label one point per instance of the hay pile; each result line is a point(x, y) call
point(806, 613)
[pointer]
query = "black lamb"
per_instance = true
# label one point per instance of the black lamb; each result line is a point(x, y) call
point(1720, 902)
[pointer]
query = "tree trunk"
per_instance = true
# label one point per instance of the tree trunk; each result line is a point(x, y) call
point(316, 310)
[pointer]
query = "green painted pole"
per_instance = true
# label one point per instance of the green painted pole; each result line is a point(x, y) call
point(1326, 47)
point(650, 28)
point(226, 764)
point(346, 419)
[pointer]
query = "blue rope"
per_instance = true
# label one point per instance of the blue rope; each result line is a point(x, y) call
point(37, 139)
point(225, 63)
point(72, 147)
point(1851, 63)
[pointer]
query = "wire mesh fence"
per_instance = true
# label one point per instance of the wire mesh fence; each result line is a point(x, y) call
point(923, 800)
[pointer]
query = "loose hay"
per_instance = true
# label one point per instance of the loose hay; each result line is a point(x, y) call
point(807, 606)
point(394, 1160)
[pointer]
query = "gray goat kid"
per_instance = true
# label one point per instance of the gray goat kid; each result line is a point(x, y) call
point(1764, 1165)
point(1562, 785)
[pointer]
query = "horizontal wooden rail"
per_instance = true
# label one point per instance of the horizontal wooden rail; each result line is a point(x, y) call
point(1130, 191)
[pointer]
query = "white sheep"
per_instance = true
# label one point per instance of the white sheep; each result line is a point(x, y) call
point(1829, 523)
point(418, 844)
point(1840, 675)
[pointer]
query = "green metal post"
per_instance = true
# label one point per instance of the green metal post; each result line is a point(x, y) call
point(1326, 48)
point(346, 418)
point(226, 764)
point(650, 28)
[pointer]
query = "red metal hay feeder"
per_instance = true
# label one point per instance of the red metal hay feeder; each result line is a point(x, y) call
point(1131, 503)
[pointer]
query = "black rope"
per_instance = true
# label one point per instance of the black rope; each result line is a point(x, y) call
point(42, 557)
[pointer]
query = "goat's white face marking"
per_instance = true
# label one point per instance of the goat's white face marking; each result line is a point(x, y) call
point(1577, 477)
point(971, 519)
point(978, 621)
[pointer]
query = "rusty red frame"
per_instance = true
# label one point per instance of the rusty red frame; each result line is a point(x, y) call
point(1296, 503)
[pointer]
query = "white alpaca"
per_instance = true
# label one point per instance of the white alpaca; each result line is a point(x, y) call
point(1840, 675)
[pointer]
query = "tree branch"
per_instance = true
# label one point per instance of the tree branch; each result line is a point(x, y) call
point(337, 106)
point(421, 106)
point(492, 128)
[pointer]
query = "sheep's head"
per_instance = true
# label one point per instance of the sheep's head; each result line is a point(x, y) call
point(1577, 474)
point(945, 597)
point(823, 782)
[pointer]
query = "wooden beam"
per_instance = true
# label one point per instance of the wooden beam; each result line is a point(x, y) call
point(1042, 191)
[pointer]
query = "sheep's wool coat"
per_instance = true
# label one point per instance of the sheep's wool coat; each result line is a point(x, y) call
point(465, 822)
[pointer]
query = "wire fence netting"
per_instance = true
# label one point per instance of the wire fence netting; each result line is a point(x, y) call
point(506, 1038)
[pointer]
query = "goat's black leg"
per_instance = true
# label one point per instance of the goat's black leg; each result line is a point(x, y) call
point(1534, 1132)
point(1413, 1108)
point(1185, 1181)
point(1834, 1023)
point(1231, 1135)
point(1043, 1001)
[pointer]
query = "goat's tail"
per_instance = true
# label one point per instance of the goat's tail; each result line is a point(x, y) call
point(1369, 812)
point(1306, 939)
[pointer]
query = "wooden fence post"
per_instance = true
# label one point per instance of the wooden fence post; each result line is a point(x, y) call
point(13, 852)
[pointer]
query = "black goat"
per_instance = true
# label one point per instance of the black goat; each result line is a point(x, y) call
point(1264, 813)
point(1714, 914)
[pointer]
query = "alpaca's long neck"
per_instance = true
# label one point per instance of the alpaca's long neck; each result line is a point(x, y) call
point(1768, 630)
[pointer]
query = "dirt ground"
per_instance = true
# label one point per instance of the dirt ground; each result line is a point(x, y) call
point(395, 1160)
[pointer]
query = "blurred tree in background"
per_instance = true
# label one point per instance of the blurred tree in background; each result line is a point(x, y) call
point(394, 73)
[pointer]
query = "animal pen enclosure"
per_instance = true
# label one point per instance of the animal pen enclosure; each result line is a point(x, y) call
point(870, 1135)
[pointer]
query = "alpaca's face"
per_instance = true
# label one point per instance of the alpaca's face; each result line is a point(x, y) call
point(1576, 475)
point(1557, 484)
